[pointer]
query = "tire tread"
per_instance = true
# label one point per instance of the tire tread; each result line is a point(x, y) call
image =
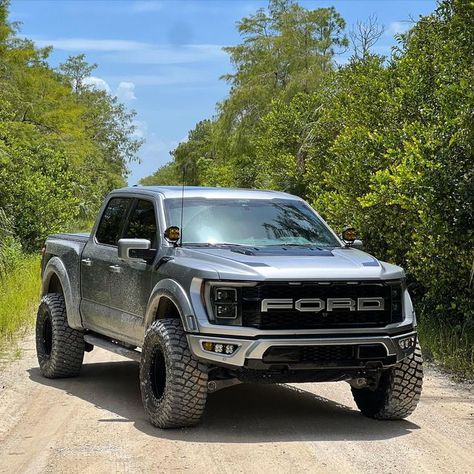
point(185, 394)
point(398, 393)
point(68, 345)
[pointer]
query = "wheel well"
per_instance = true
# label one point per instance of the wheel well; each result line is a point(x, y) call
point(54, 285)
point(166, 309)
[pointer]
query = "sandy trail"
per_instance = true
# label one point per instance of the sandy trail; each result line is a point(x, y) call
point(95, 423)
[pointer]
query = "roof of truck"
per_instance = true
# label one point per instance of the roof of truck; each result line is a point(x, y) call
point(207, 192)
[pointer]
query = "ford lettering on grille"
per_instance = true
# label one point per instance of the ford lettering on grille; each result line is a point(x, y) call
point(315, 305)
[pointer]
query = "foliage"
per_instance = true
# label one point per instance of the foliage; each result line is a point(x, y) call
point(10, 248)
point(165, 175)
point(384, 144)
point(63, 144)
point(285, 49)
point(19, 292)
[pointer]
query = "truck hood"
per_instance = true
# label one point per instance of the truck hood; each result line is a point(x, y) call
point(288, 264)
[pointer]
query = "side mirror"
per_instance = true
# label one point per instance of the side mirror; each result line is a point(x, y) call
point(135, 250)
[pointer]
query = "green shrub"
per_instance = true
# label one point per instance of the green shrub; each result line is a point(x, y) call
point(19, 296)
point(10, 248)
point(450, 344)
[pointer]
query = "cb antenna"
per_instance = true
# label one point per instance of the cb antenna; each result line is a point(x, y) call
point(182, 207)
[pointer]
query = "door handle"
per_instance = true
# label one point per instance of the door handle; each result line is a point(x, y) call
point(87, 262)
point(115, 268)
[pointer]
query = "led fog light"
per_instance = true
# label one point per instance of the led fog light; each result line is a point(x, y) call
point(219, 348)
point(407, 342)
point(208, 346)
point(229, 348)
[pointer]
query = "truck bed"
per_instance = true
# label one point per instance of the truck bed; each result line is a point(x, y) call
point(75, 237)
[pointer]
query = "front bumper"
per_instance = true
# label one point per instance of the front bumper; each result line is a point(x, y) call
point(251, 352)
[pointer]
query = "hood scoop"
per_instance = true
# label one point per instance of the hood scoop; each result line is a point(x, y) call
point(283, 251)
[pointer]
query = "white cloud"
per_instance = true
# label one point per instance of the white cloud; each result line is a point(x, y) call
point(141, 129)
point(126, 91)
point(89, 44)
point(97, 83)
point(143, 53)
point(144, 6)
point(397, 27)
point(169, 54)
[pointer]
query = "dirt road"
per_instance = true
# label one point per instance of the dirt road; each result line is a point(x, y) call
point(96, 424)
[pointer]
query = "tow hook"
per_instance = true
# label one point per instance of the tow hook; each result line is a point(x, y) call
point(215, 385)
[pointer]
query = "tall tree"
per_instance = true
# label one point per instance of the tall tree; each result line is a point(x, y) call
point(63, 144)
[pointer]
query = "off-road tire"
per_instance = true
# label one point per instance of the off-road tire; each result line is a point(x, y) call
point(60, 349)
point(173, 383)
point(398, 392)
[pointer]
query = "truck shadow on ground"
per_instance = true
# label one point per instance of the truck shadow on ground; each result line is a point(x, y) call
point(243, 413)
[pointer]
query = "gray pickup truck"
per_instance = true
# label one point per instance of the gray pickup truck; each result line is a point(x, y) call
point(208, 287)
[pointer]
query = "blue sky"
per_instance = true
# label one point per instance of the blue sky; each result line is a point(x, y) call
point(163, 58)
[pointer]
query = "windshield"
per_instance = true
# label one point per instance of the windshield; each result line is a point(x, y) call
point(250, 222)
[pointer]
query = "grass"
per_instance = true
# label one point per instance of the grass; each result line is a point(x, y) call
point(19, 297)
point(450, 346)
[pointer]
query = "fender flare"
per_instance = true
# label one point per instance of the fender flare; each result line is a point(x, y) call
point(175, 292)
point(71, 290)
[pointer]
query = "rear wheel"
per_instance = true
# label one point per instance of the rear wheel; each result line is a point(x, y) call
point(60, 349)
point(398, 392)
point(173, 383)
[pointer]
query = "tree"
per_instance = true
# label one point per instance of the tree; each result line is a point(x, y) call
point(365, 35)
point(76, 70)
point(165, 175)
point(63, 145)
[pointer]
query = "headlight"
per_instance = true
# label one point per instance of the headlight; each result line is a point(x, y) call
point(396, 299)
point(225, 295)
point(225, 311)
point(223, 302)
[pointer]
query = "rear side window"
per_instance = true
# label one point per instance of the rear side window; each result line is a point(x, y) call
point(111, 222)
point(142, 222)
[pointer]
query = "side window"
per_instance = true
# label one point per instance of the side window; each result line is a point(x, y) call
point(142, 223)
point(108, 231)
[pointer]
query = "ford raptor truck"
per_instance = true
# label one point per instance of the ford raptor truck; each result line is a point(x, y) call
point(208, 287)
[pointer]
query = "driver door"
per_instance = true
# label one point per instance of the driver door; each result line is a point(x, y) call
point(130, 285)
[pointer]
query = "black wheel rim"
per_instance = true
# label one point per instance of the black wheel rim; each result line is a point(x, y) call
point(47, 335)
point(158, 374)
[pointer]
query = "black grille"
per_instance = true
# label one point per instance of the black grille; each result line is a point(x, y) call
point(293, 319)
point(325, 355)
point(310, 354)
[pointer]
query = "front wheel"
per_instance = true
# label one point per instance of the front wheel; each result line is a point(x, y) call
point(398, 392)
point(173, 383)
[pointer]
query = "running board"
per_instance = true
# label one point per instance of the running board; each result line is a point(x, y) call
point(111, 346)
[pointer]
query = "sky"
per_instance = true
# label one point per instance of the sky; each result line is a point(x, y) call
point(164, 58)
